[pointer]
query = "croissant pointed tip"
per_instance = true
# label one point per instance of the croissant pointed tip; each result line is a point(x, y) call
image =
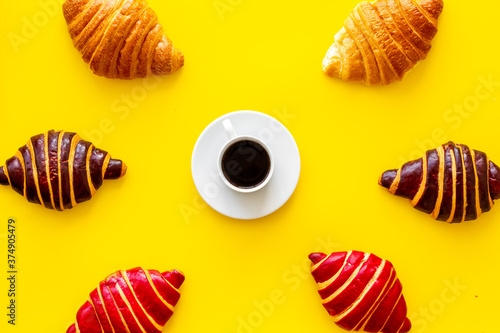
point(433, 7)
point(124, 170)
point(178, 59)
point(115, 170)
point(175, 277)
point(316, 257)
point(406, 326)
point(4, 180)
point(387, 178)
point(71, 329)
point(494, 181)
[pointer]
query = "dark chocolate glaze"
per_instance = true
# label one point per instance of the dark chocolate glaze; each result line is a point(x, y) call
point(30, 188)
point(460, 203)
point(64, 169)
point(428, 200)
point(3, 177)
point(388, 178)
point(96, 162)
point(447, 202)
point(494, 181)
point(80, 182)
point(16, 174)
point(470, 179)
point(53, 167)
point(478, 194)
point(51, 184)
point(483, 182)
point(411, 176)
point(39, 149)
point(114, 170)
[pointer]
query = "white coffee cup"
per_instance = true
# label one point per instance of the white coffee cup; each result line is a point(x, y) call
point(234, 138)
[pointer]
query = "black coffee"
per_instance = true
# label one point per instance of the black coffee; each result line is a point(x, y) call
point(246, 164)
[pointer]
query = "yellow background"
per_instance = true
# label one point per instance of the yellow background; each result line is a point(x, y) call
point(265, 56)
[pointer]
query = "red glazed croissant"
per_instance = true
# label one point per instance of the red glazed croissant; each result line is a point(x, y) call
point(59, 170)
point(360, 291)
point(121, 38)
point(452, 183)
point(382, 40)
point(133, 301)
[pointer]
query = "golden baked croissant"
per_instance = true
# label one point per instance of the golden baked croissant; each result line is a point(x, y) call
point(59, 170)
point(452, 183)
point(382, 40)
point(360, 291)
point(134, 301)
point(121, 38)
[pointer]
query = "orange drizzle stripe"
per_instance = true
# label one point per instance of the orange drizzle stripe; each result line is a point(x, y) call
point(476, 188)
point(105, 164)
point(35, 172)
point(421, 189)
point(395, 183)
point(87, 168)
point(21, 160)
point(59, 143)
point(71, 160)
point(47, 168)
point(488, 170)
point(439, 200)
point(454, 186)
point(464, 181)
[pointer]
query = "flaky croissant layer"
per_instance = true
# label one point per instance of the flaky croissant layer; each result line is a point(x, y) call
point(452, 183)
point(134, 301)
point(121, 38)
point(59, 170)
point(382, 41)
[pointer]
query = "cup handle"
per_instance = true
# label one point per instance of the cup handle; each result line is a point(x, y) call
point(231, 133)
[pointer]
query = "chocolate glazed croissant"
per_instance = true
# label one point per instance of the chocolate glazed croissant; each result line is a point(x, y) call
point(133, 301)
point(59, 170)
point(382, 40)
point(452, 183)
point(360, 291)
point(121, 38)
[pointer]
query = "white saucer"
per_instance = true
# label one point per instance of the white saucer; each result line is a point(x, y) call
point(246, 205)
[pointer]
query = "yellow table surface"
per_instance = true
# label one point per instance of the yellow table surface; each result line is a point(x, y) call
point(250, 276)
